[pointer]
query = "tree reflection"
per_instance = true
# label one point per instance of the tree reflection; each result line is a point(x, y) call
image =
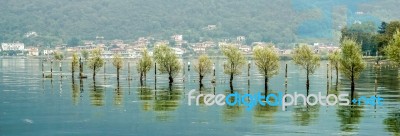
point(118, 95)
point(96, 95)
point(75, 93)
point(145, 96)
point(165, 101)
point(230, 113)
point(304, 115)
point(350, 117)
point(392, 122)
point(264, 114)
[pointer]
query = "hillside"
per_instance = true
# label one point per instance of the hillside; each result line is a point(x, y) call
point(259, 20)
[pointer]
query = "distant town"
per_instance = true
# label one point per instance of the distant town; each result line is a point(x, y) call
point(132, 49)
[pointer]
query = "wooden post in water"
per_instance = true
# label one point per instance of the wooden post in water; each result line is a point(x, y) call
point(327, 78)
point(80, 68)
point(42, 69)
point(129, 71)
point(51, 69)
point(286, 81)
point(248, 69)
point(155, 76)
point(59, 64)
point(104, 70)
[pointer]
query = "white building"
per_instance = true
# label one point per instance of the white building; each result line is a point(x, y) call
point(12, 46)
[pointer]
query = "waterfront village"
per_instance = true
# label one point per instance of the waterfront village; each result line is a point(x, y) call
point(133, 48)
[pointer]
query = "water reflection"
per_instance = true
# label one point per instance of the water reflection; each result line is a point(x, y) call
point(97, 95)
point(350, 117)
point(392, 122)
point(75, 93)
point(264, 114)
point(146, 95)
point(118, 95)
point(305, 115)
point(230, 113)
point(165, 101)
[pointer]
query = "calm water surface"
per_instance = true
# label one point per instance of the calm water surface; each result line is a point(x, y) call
point(31, 105)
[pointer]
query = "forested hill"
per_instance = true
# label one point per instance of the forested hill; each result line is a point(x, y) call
point(57, 21)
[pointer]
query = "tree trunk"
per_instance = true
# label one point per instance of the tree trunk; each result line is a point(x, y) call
point(266, 85)
point(337, 76)
point(308, 81)
point(171, 80)
point(117, 73)
point(201, 79)
point(141, 78)
point(352, 85)
point(94, 73)
point(231, 78)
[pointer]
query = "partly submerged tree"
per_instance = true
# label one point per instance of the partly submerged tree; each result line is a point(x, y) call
point(74, 63)
point(267, 62)
point(203, 66)
point(85, 54)
point(167, 61)
point(351, 62)
point(393, 49)
point(334, 59)
point(235, 61)
point(305, 57)
point(95, 62)
point(144, 65)
point(58, 56)
point(118, 63)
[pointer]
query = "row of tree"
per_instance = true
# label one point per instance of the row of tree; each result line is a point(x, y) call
point(348, 61)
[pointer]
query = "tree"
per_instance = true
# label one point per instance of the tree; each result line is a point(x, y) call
point(95, 62)
point(393, 49)
point(167, 61)
point(118, 63)
point(85, 54)
point(74, 63)
point(59, 57)
point(351, 62)
point(267, 62)
point(334, 59)
point(305, 57)
point(235, 62)
point(203, 66)
point(144, 65)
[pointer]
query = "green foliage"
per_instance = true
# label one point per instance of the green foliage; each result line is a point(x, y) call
point(235, 60)
point(266, 60)
point(58, 56)
point(85, 54)
point(393, 49)
point(305, 57)
point(351, 62)
point(334, 59)
point(75, 61)
point(144, 64)
point(96, 62)
point(117, 61)
point(364, 33)
point(203, 66)
point(167, 61)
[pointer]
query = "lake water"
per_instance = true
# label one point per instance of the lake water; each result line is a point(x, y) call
point(32, 105)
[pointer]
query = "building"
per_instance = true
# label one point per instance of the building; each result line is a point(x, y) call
point(12, 46)
point(33, 51)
